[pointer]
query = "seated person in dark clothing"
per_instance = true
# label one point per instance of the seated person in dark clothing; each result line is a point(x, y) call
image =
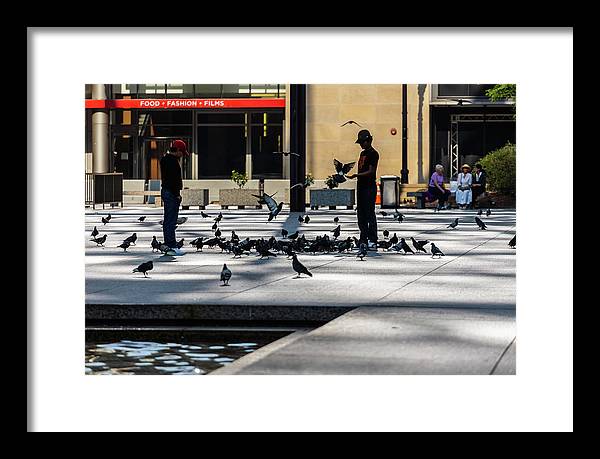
point(479, 182)
point(436, 188)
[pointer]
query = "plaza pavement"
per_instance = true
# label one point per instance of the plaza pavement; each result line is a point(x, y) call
point(452, 315)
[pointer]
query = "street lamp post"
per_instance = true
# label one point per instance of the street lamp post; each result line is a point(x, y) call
point(404, 171)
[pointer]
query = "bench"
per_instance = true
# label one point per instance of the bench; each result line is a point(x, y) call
point(156, 194)
point(421, 196)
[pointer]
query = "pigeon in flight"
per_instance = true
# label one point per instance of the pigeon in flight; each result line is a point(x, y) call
point(436, 251)
point(155, 244)
point(144, 268)
point(418, 245)
point(125, 245)
point(95, 232)
point(480, 223)
point(131, 239)
point(350, 122)
point(362, 251)
point(306, 219)
point(488, 212)
point(513, 242)
point(299, 267)
point(204, 215)
point(225, 274)
point(272, 205)
point(100, 240)
point(341, 170)
point(336, 231)
point(336, 219)
point(286, 153)
point(142, 218)
point(284, 232)
point(454, 224)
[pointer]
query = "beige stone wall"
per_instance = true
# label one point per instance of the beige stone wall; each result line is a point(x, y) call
point(376, 107)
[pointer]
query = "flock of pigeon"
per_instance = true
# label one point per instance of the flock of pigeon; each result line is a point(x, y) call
point(289, 244)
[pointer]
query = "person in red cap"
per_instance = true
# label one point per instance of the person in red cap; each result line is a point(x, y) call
point(170, 192)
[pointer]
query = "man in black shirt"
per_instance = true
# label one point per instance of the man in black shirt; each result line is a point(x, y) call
point(170, 192)
point(366, 189)
point(479, 183)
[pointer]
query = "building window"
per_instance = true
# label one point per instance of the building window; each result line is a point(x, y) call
point(266, 138)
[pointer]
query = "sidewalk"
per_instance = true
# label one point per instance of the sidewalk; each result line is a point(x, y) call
point(478, 270)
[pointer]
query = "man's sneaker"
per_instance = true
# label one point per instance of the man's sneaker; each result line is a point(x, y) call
point(372, 246)
point(175, 252)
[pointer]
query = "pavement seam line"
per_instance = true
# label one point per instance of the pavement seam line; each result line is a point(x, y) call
point(495, 367)
point(443, 264)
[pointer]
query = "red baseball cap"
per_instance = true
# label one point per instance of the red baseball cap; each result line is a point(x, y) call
point(179, 145)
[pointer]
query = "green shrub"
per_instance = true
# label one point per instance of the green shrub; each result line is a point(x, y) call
point(240, 179)
point(309, 180)
point(501, 168)
point(331, 184)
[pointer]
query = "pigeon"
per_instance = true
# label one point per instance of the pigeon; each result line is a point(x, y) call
point(204, 215)
point(234, 237)
point(100, 240)
point(454, 224)
point(105, 220)
point(513, 242)
point(144, 267)
point(125, 245)
point(488, 212)
point(198, 243)
point(155, 244)
point(131, 239)
point(362, 251)
point(306, 219)
point(480, 212)
point(284, 232)
point(142, 218)
point(336, 231)
point(238, 251)
point(341, 170)
point(95, 232)
point(219, 217)
point(179, 244)
point(181, 220)
point(300, 219)
point(386, 233)
point(480, 223)
point(351, 122)
point(293, 236)
point(218, 233)
point(384, 244)
point(394, 239)
point(404, 246)
point(435, 251)
point(418, 245)
point(336, 219)
point(286, 153)
point(215, 226)
point(272, 205)
point(384, 213)
point(264, 252)
point(399, 217)
point(299, 267)
point(225, 274)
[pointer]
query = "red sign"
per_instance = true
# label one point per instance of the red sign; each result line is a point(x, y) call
point(186, 103)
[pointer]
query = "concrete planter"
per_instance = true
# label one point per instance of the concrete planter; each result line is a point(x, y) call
point(197, 197)
point(240, 197)
point(332, 198)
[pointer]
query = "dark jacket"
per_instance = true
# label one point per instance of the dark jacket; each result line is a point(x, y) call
point(481, 181)
point(170, 172)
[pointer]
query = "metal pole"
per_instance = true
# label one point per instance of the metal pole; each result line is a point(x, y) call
point(100, 154)
point(404, 171)
point(297, 145)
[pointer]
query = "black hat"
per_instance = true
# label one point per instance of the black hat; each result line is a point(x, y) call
point(363, 135)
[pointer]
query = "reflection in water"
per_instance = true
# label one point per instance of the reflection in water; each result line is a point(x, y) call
point(151, 358)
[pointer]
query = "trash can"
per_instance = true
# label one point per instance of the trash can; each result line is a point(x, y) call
point(390, 191)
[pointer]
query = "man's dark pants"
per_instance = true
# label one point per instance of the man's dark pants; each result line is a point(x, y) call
point(367, 221)
point(171, 210)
